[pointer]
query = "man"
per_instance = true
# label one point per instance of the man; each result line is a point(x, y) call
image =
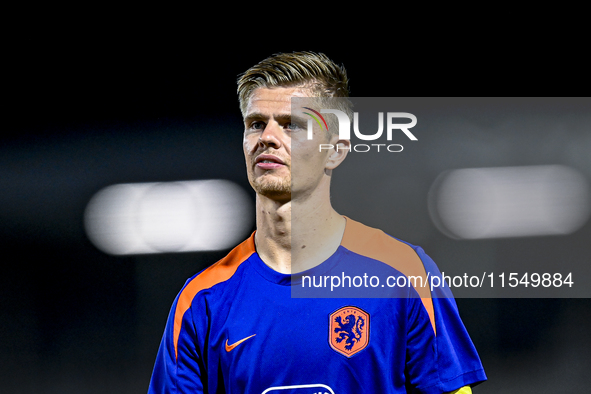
point(235, 327)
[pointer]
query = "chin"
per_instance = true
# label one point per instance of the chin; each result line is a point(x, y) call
point(272, 189)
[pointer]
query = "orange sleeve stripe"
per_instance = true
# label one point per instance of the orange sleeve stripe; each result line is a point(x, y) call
point(217, 273)
point(375, 244)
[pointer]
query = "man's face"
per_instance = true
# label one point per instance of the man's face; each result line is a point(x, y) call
point(270, 133)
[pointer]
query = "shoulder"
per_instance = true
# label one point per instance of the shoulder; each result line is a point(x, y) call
point(220, 272)
point(217, 273)
point(176, 330)
point(408, 259)
point(376, 244)
point(370, 242)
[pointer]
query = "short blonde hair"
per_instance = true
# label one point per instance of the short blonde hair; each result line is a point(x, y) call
point(313, 71)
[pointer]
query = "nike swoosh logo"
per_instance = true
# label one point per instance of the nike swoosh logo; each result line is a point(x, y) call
point(232, 346)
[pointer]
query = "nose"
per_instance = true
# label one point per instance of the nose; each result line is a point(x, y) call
point(270, 136)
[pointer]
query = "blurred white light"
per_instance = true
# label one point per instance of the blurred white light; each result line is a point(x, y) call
point(168, 217)
point(510, 201)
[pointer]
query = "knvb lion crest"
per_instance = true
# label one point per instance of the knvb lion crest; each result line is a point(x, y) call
point(349, 330)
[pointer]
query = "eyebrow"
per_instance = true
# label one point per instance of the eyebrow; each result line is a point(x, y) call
point(259, 116)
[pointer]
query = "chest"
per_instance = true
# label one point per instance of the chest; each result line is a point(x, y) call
point(269, 339)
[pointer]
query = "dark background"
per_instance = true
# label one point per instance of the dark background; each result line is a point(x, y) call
point(83, 111)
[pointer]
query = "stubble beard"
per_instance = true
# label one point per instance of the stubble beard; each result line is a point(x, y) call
point(271, 187)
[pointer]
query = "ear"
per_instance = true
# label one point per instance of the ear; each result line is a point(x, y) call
point(338, 153)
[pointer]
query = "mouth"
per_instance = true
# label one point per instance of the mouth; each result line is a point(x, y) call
point(268, 162)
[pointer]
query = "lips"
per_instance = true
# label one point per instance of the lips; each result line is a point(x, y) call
point(268, 158)
point(268, 162)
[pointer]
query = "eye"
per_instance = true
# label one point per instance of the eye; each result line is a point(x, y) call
point(293, 126)
point(257, 125)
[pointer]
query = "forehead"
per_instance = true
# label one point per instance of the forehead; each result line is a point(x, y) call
point(273, 99)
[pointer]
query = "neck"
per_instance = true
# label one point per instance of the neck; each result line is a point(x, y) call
point(299, 234)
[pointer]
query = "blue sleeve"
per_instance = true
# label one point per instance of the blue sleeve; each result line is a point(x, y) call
point(420, 371)
point(182, 374)
point(457, 362)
